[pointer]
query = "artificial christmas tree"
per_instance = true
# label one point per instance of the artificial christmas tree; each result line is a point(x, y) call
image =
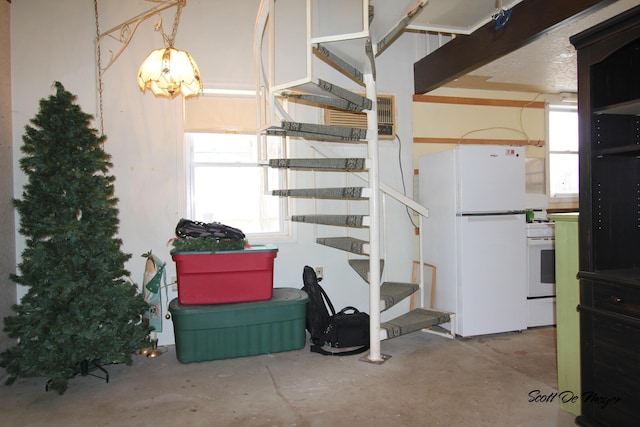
point(79, 310)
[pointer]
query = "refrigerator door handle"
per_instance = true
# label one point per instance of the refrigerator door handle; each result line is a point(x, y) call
point(505, 213)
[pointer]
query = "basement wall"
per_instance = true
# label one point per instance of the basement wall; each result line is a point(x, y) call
point(7, 217)
point(465, 121)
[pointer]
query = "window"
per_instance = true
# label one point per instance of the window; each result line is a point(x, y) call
point(562, 128)
point(226, 182)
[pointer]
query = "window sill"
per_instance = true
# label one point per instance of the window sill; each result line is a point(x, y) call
point(273, 238)
point(565, 202)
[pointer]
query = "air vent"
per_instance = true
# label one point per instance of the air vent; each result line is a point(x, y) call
point(386, 117)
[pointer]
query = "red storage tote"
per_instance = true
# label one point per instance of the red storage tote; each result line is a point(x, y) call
point(223, 277)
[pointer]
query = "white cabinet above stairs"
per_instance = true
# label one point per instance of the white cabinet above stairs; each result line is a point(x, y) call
point(301, 49)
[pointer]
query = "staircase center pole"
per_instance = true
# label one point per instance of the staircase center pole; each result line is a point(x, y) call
point(374, 227)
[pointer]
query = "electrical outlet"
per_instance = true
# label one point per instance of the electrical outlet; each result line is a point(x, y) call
point(319, 272)
point(174, 284)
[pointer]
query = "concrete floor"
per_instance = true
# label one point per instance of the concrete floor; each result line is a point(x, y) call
point(428, 381)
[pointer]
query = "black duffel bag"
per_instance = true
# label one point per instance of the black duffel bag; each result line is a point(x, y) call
point(190, 228)
point(348, 328)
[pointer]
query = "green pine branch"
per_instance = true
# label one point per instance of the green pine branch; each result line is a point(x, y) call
point(207, 244)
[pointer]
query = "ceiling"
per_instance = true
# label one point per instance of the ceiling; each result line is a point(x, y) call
point(546, 65)
point(458, 16)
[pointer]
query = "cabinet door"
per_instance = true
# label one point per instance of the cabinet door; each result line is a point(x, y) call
point(611, 369)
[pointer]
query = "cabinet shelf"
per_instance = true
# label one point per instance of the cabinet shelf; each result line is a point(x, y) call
point(626, 276)
point(625, 150)
point(628, 108)
point(615, 134)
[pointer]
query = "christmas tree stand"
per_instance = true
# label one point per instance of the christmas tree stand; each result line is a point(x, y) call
point(85, 368)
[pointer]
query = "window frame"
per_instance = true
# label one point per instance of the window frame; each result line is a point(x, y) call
point(285, 232)
point(564, 197)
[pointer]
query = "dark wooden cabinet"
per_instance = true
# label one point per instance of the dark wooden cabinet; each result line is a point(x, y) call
point(609, 223)
point(610, 345)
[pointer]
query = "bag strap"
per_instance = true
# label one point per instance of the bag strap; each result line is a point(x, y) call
point(344, 310)
point(326, 299)
point(318, 349)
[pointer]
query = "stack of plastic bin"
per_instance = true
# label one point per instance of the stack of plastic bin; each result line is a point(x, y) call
point(227, 306)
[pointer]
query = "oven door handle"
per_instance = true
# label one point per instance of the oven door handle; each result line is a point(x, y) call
point(539, 241)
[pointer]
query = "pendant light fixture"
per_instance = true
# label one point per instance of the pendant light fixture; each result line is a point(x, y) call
point(169, 72)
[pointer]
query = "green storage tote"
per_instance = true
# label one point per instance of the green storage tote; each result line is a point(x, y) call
point(223, 331)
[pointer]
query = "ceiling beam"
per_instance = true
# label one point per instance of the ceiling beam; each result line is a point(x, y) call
point(530, 19)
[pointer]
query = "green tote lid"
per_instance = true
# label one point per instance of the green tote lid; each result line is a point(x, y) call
point(285, 304)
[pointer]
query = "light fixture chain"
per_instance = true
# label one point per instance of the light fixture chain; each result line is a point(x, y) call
point(176, 20)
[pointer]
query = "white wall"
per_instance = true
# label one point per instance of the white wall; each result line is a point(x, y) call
point(465, 121)
point(457, 121)
point(7, 223)
point(54, 41)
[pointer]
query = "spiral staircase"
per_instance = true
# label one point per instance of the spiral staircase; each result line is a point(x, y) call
point(347, 35)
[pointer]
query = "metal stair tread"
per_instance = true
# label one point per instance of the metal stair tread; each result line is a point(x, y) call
point(351, 164)
point(355, 221)
point(391, 293)
point(351, 49)
point(278, 131)
point(316, 86)
point(349, 244)
point(342, 132)
point(415, 320)
point(339, 193)
point(361, 266)
point(333, 102)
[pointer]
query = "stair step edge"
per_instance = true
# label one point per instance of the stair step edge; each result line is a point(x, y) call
point(361, 266)
point(415, 320)
point(337, 193)
point(348, 244)
point(348, 133)
point(320, 87)
point(275, 131)
point(325, 101)
point(392, 293)
point(355, 164)
point(353, 221)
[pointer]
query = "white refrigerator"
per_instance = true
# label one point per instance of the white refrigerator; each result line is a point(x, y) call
point(475, 235)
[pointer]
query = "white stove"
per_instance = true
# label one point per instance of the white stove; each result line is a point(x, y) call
point(540, 229)
point(540, 273)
